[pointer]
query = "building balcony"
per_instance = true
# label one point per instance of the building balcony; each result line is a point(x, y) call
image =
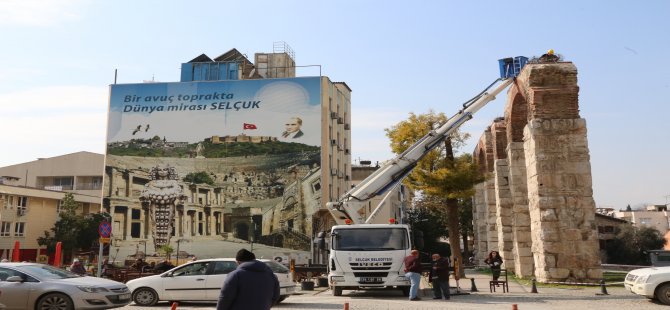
point(89, 186)
point(59, 188)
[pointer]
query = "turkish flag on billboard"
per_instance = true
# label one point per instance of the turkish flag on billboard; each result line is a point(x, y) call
point(249, 126)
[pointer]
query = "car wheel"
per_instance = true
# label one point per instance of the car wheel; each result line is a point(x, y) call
point(663, 293)
point(55, 301)
point(337, 291)
point(145, 296)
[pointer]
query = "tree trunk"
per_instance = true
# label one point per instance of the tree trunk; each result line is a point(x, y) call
point(452, 215)
point(454, 240)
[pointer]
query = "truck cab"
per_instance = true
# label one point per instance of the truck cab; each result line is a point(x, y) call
point(368, 256)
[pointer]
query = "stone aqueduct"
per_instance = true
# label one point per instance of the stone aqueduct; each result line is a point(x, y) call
point(536, 206)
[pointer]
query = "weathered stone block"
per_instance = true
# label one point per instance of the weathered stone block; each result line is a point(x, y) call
point(559, 273)
point(548, 215)
point(524, 252)
point(579, 273)
point(594, 273)
point(553, 247)
point(547, 234)
point(506, 212)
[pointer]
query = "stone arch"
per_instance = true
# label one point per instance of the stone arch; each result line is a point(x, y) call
point(480, 158)
point(516, 115)
point(483, 154)
point(516, 119)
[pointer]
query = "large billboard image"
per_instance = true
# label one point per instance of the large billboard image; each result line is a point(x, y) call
point(214, 166)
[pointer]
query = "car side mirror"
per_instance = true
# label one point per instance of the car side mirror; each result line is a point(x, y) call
point(14, 279)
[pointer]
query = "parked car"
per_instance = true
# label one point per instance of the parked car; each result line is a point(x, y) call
point(651, 282)
point(198, 281)
point(38, 286)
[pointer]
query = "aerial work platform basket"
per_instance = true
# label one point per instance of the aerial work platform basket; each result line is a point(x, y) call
point(510, 67)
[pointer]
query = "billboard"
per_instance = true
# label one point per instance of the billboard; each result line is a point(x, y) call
point(225, 162)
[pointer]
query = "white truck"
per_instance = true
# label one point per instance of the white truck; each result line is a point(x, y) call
point(364, 255)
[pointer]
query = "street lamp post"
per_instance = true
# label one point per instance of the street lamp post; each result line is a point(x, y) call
point(178, 242)
point(145, 247)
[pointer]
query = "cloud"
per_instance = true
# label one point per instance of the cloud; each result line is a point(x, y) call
point(38, 12)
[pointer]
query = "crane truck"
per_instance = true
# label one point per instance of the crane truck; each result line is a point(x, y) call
point(363, 255)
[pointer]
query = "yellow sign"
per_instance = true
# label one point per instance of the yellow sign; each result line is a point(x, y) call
point(104, 240)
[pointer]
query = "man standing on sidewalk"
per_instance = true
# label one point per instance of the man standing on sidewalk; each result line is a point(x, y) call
point(252, 285)
point(413, 272)
point(439, 276)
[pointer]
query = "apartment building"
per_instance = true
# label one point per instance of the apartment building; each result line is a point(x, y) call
point(26, 213)
point(79, 173)
point(655, 216)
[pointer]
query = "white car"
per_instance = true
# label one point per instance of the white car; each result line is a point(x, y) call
point(651, 282)
point(37, 286)
point(198, 281)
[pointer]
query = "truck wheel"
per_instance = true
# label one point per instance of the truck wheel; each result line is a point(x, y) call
point(405, 291)
point(663, 293)
point(337, 291)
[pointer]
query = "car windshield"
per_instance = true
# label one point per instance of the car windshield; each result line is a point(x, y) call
point(276, 267)
point(46, 272)
point(370, 239)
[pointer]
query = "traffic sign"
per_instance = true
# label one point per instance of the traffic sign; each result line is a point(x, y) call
point(104, 240)
point(105, 229)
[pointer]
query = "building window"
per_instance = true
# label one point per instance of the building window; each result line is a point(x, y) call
point(5, 229)
point(22, 204)
point(316, 187)
point(19, 229)
point(59, 207)
point(135, 214)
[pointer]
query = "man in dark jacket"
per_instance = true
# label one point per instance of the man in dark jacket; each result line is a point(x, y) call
point(252, 285)
point(413, 272)
point(439, 276)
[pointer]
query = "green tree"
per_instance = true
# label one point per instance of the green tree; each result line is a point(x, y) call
point(167, 250)
point(431, 221)
point(201, 177)
point(75, 231)
point(631, 245)
point(440, 174)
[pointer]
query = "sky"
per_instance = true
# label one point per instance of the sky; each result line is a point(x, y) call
point(58, 58)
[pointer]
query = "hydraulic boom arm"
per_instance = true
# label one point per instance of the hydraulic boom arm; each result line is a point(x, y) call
point(394, 171)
